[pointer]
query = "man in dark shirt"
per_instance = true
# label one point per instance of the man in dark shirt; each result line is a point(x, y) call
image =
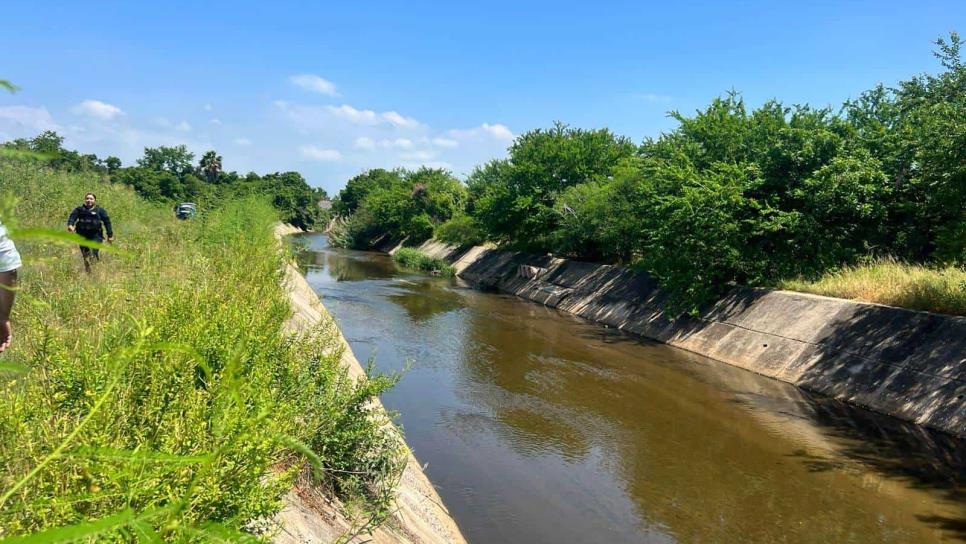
point(90, 221)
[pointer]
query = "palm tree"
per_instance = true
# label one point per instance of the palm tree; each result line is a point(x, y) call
point(210, 164)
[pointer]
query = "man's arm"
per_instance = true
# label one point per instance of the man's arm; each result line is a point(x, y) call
point(71, 219)
point(107, 224)
point(8, 281)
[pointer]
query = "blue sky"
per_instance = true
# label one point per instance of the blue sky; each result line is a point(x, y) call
point(330, 89)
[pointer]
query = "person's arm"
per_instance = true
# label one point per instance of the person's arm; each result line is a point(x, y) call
point(71, 219)
point(107, 224)
point(8, 281)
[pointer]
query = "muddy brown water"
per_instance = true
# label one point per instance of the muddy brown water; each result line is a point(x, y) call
point(540, 427)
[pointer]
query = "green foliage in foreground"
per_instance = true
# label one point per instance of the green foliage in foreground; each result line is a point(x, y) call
point(409, 257)
point(159, 399)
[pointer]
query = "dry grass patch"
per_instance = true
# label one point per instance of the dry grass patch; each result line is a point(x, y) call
point(941, 290)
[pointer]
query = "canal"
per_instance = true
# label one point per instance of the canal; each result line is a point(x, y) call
point(540, 427)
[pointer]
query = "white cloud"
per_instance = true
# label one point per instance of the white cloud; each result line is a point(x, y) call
point(97, 109)
point(315, 84)
point(364, 142)
point(399, 120)
point(368, 144)
point(422, 155)
point(216, 122)
point(500, 132)
point(398, 143)
point(359, 117)
point(496, 131)
point(207, 107)
point(25, 120)
point(244, 142)
point(445, 142)
point(367, 117)
point(319, 154)
point(183, 126)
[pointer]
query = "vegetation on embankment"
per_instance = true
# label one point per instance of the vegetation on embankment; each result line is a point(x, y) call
point(733, 195)
point(169, 175)
point(158, 398)
point(413, 258)
point(893, 283)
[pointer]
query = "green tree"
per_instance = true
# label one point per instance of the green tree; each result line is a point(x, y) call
point(514, 200)
point(401, 204)
point(112, 164)
point(48, 142)
point(210, 166)
point(358, 187)
point(176, 160)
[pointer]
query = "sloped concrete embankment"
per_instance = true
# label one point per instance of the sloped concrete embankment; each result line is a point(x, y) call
point(309, 516)
point(908, 364)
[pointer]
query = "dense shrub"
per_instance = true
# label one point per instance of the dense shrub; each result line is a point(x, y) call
point(400, 205)
point(413, 258)
point(460, 231)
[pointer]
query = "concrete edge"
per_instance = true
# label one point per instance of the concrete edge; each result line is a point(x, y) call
point(309, 516)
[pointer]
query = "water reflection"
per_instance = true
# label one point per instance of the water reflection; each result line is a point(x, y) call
point(423, 300)
point(540, 427)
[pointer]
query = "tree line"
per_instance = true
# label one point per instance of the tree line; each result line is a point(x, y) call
point(170, 174)
point(732, 195)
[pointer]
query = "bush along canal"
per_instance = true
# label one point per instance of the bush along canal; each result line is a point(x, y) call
point(539, 426)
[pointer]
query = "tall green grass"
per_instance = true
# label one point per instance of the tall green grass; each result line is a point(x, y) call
point(158, 399)
point(941, 290)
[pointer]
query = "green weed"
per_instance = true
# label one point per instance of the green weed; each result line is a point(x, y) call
point(412, 258)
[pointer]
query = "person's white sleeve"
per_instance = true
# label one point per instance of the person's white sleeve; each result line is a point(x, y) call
point(9, 257)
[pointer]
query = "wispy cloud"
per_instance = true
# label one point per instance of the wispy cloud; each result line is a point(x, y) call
point(319, 154)
point(369, 117)
point(182, 126)
point(364, 143)
point(25, 120)
point(399, 120)
point(495, 131)
point(314, 84)
point(97, 110)
point(445, 142)
point(244, 142)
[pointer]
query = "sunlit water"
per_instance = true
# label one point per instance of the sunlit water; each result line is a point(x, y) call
point(540, 427)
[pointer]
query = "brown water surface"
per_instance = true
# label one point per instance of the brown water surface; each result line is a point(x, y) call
point(541, 427)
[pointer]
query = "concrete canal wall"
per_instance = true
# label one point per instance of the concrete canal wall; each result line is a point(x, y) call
point(313, 516)
point(908, 364)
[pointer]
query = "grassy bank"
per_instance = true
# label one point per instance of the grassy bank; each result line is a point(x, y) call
point(158, 398)
point(413, 258)
point(941, 290)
